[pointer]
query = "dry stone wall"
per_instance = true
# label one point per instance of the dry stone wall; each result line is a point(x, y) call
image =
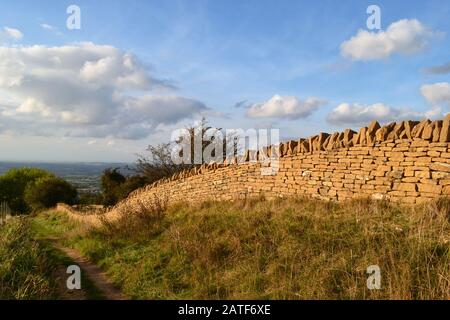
point(407, 162)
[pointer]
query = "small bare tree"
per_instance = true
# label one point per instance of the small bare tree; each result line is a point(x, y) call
point(160, 164)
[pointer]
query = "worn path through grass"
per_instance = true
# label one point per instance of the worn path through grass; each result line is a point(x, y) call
point(93, 272)
point(258, 249)
point(95, 283)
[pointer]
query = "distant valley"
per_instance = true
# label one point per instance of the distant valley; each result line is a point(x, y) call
point(85, 176)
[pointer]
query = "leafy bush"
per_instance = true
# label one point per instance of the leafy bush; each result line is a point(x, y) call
point(13, 184)
point(111, 180)
point(131, 183)
point(116, 186)
point(48, 191)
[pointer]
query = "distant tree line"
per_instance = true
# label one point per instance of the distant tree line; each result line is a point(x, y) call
point(31, 189)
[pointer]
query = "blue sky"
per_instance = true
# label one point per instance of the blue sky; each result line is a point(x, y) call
point(284, 60)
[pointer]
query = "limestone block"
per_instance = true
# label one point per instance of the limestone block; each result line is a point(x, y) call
point(325, 143)
point(396, 131)
point(304, 146)
point(445, 132)
point(418, 129)
point(439, 166)
point(332, 141)
point(360, 138)
point(371, 131)
point(436, 131)
point(427, 133)
point(429, 188)
point(409, 127)
point(311, 142)
point(383, 132)
point(348, 138)
point(292, 147)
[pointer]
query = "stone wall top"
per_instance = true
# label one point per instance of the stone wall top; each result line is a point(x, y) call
point(373, 134)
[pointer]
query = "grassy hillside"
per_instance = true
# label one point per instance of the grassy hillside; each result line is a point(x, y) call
point(24, 264)
point(31, 269)
point(285, 249)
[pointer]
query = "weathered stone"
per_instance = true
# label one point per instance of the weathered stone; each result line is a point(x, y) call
point(263, 154)
point(360, 138)
point(429, 188)
point(311, 142)
point(383, 132)
point(409, 126)
point(332, 141)
point(436, 131)
point(446, 190)
point(427, 133)
point(405, 162)
point(405, 186)
point(304, 146)
point(292, 147)
point(395, 133)
point(340, 140)
point(371, 131)
point(325, 143)
point(319, 141)
point(418, 129)
point(252, 156)
point(379, 196)
point(438, 166)
point(348, 138)
point(445, 132)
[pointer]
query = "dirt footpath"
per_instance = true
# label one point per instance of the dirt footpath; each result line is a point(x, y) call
point(94, 273)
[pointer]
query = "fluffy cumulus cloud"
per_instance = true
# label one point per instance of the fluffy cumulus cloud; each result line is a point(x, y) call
point(356, 114)
point(402, 37)
point(437, 94)
point(10, 34)
point(85, 90)
point(285, 107)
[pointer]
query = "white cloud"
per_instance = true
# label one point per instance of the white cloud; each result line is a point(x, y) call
point(11, 33)
point(285, 107)
point(32, 106)
point(403, 37)
point(437, 93)
point(50, 28)
point(356, 114)
point(84, 90)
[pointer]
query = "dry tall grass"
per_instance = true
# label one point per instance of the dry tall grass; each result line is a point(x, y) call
point(284, 249)
point(24, 265)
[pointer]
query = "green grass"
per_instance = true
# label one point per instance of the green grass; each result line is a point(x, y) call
point(59, 258)
point(24, 265)
point(257, 249)
point(52, 226)
point(28, 261)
